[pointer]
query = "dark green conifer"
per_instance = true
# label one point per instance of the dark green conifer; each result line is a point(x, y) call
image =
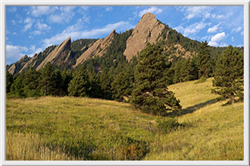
point(46, 83)
point(9, 81)
point(228, 78)
point(204, 55)
point(150, 93)
point(79, 86)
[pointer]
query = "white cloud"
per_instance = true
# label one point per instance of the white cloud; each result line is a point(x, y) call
point(216, 38)
point(42, 27)
point(75, 33)
point(220, 17)
point(153, 9)
point(235, 30)
point(85, 7)
point(206, 38)
point(191, 29)
point(13, 22)
point(14, 53)
point(28, 20)
point(27, 26)
point(43, 10)
point(232, 38)
point(29, 23)
point(36, 32)
point(12, 9)
point(109, 9)
point(196, 11)
point(65, 15)
point(214, 29)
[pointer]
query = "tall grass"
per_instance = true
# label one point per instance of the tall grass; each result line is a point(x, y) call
point(68, 128)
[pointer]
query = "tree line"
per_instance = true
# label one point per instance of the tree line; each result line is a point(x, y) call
point(143, 81)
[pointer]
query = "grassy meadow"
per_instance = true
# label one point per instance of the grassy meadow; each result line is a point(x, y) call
point(68, 128)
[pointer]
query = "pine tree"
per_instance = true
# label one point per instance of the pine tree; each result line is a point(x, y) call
point(204, 55)
point(95, 89)
point(122, 85)
point(66, 78)
point(46, 83)
point(79, 86)
point(57, 89)
point(17, 87)
point(150, 93)
point(31, 82)
point(105, 82)
point(9, 81)
point(228, 79)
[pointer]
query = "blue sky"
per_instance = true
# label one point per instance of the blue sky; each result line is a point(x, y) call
point(30, 29)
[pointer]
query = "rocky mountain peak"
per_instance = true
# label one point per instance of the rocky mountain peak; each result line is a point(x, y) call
point(97, 48)
point(147, 16)
point(57, 54)
point(147, 30)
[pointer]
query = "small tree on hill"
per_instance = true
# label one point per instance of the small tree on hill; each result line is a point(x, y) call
point(228, 79)
point(204, 55)
point(150, 93)
point(79, 86)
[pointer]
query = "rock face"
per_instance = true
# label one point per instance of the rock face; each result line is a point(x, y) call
point(56, 56)
point(12, 69)
point(147, 30)
point(97, 48)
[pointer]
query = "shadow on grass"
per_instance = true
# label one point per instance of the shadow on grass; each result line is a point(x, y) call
point(196, 107)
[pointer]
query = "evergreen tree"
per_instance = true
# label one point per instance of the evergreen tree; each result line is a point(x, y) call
point(204, 55)
point(150, 93)
point(228, 79)
point(31, 82)
point(95, 89)
point(9, 81)
point(186, 70)
point(46, 83)
point(79, 86)
point(122, 85)
point(105, 82)
point(17, 87)
point(57, 89)
point(194, 68)
point(66, 78)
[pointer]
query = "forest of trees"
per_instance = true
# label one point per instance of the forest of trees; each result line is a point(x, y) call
point(143, 81)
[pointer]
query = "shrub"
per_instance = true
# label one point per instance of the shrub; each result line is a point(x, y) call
point(167, 125)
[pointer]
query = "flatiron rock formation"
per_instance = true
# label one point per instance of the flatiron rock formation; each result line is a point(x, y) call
point(97, 48)
point(147, 30)
point(57, 54)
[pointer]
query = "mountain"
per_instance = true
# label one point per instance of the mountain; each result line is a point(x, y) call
point(16, 67)
point(114, 47)
point(147, 30)
point(97, 48)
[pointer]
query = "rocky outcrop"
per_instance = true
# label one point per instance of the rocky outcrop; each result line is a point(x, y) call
point(12, 69)
point(97, 48)
point(147, 30)
point(31, 62)
point(58, 54)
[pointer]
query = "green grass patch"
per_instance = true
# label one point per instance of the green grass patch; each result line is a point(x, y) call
point(72, 128)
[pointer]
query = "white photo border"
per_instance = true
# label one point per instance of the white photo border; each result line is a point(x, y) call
point(244, 3)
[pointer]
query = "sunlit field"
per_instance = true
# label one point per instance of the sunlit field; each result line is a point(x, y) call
point(68, 128)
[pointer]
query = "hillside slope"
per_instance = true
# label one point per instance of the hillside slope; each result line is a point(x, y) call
point(84, 128)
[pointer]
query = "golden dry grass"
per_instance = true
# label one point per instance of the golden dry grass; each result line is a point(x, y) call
point(68, 128)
